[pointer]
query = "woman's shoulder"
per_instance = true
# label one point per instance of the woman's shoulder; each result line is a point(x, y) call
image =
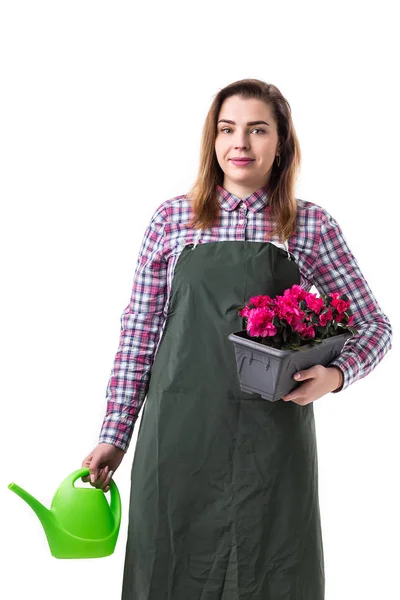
point(306, 206)
point(311, 215)
point(316, 215)
point(173, 209)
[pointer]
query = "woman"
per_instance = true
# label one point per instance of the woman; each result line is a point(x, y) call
point(224, 487)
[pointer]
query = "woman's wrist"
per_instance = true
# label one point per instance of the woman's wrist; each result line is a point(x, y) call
point(339, 378)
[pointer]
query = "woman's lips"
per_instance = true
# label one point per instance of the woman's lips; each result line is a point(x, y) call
point(241, 163)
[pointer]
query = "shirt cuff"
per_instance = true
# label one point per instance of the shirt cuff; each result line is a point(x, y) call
point(117, 430)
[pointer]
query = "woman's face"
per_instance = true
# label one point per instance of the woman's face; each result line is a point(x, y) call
point(245, 128)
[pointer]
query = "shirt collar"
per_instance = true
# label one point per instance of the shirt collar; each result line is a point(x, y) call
point(254, 202)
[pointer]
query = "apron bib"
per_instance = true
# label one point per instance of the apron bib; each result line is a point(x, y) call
point(224, 484)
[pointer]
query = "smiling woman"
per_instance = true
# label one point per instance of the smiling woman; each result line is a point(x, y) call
point(224, 484)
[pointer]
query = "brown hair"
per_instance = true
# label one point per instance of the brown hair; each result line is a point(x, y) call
point(280, 188)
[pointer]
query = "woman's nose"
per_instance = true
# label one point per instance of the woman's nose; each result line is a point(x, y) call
point(241, 141)
point(241, 144)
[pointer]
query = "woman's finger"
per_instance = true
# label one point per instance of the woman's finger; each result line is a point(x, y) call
point(102, 477)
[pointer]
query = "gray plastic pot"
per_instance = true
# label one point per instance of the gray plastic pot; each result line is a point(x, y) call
point(269, 372)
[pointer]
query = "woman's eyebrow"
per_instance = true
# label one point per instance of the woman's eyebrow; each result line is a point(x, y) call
point(249, 123)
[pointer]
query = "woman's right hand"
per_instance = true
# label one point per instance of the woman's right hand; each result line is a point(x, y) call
point(102, 462)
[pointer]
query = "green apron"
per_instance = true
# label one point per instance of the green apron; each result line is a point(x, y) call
point(224, 485)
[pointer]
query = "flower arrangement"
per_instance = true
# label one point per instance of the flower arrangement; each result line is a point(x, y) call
point(297, 319)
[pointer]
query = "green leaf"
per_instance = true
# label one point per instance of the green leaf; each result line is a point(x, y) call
point(295, 338)
point(352, 329)
point(303, 348)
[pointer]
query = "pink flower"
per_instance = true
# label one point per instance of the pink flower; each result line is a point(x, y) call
point(325, 317)
point(245, 312)
point(288, 309)
point(259, 323)
point(296, 292)
point(299, 326)
point(260, 301)
point(340, 305)
point(314, 303)
point(309, 332)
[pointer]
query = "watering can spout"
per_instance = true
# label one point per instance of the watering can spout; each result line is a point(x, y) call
point(46, 516)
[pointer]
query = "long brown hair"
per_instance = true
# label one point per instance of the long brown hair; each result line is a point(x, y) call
point(281, 184)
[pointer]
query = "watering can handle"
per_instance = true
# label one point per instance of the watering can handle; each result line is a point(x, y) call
point(115, 503)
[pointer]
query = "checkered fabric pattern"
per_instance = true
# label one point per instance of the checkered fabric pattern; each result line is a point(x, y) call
point(319, 248)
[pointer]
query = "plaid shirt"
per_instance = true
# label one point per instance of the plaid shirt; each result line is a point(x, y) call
point(324, 260)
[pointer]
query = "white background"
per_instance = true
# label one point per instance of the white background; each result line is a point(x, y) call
point(102, 106)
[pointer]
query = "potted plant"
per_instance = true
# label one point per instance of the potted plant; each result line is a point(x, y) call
point(286, 334)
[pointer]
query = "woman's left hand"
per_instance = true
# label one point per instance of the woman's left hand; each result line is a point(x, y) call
point(318, 381)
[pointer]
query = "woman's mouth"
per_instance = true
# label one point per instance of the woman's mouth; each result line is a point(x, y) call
point(241, 162)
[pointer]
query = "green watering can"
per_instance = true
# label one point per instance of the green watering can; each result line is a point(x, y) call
point(80, 522)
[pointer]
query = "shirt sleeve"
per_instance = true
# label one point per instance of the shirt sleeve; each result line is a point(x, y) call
point(141, 325)
point(336, 270)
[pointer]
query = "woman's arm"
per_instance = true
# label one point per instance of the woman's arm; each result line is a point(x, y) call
point(336, 270)
point(141, 325)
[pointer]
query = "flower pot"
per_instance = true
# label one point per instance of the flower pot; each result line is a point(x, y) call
point(269, 371)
